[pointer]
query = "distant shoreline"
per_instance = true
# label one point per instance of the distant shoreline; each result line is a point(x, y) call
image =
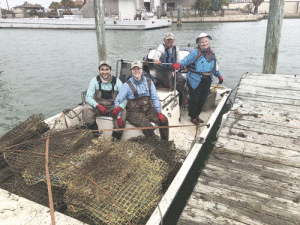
point(231, 18)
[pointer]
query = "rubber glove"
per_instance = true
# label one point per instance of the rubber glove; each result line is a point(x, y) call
point(161, 118)
point(102, 109)
point(116, 111)
point(176, 66)
point(220, 80)
point(120, 122)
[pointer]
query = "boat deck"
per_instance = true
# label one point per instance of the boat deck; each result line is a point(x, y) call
point(253, 173)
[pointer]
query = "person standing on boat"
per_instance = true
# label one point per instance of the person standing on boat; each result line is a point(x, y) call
point(202, 65)
point(166, 54)
point(100, 97)
point(143, 105)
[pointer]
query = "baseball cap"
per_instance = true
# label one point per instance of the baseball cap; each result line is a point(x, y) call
point(104, 63)
point(136, 64)
point(169, 36)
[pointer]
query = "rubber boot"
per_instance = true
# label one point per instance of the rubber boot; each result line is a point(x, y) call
point(94, 128)
point(164, 132)
point(117, 135)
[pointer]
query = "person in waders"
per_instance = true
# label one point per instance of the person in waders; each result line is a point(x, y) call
point(100, 97)
point(166, 54)
point(143, 106)
point(202, 65)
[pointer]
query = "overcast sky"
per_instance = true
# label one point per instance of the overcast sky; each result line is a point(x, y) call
point(13, 3)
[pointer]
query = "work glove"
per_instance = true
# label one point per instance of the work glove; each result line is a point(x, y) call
point(176, 66)
point(220, 80)
point(161, 118)
point(102, 109)
point(120, 122)
point(116, 111)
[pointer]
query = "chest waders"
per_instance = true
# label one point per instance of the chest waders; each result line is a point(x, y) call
point(141, 113)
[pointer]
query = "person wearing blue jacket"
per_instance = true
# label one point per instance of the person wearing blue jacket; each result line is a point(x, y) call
point(143, 105)
point(100, 97)
point(202, 65)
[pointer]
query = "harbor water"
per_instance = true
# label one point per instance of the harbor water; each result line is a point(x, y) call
point(45, 71)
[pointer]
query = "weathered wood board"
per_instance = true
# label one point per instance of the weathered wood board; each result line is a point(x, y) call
point(253, 174)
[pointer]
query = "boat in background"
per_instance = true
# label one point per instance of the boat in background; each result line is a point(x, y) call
point(132, 16)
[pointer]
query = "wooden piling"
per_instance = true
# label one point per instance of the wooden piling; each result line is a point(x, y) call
point(179, 15)
point(273, 36)
point(100, 29)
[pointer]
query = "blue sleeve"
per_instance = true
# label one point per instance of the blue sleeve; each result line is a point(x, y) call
point(155, 98)
point(123, 92)
point(217, 74)
point(89, 98)
point(118, 87)
point(190, 58)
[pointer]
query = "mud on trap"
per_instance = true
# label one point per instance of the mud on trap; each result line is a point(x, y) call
point(98, 181)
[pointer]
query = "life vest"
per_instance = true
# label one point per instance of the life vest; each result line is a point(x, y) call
point(168, 57)
point(192, 66)
point(107, 94)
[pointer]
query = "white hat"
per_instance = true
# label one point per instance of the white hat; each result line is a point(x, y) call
point(169, 36)
point(137, 64)
point(201, 36)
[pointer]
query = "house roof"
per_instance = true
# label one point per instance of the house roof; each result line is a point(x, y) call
point(29, 6)
point(78, 2)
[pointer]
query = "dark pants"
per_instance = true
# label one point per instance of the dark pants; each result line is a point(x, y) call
point(198, 96)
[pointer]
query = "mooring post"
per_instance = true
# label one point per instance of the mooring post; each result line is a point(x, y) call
point(158, 12)
point(100, 29)
point(275, 19)
point(179, 21)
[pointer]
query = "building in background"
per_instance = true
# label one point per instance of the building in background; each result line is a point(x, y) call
point(28, 10)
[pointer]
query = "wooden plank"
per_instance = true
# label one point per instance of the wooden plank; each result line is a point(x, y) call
point(258, 125)
point(249, 180)
point(285, 84)
point(267, 119)
point(261, 98)
point(278, 77)
point(278, 110)
point(268, 91)
point(258, 151)
point(232, 204)
point(261, 138)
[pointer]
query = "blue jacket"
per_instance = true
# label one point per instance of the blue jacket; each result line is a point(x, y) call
point(202, 65)
point(142, 90)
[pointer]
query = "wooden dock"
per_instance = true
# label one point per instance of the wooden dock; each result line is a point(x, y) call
point(253, 173)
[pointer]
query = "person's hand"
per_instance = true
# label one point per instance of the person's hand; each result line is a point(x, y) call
point(120, 122)
point(161, 118)
point(220, 80)
point(102, 109)
point(157, 62)
point(146, 63)
point(176, 66)
point(116, 111)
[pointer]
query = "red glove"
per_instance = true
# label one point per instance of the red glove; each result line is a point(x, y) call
point(116, 111)
point(102, 109)
point(176, 66)
point(120, 122)
point(161, 118)
point(220, 80)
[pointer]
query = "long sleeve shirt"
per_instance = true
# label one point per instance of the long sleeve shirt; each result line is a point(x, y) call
point(202, 65)
point(142, 90)
point(94, 85)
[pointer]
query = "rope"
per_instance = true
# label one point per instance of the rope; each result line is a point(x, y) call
point(49, 183)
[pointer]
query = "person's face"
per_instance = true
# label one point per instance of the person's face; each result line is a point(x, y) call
point(137, 73)
point(204, 43)
point(104, 72)
point(169, 43)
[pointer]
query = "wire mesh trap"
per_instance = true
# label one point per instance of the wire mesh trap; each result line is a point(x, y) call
point(98, 181)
